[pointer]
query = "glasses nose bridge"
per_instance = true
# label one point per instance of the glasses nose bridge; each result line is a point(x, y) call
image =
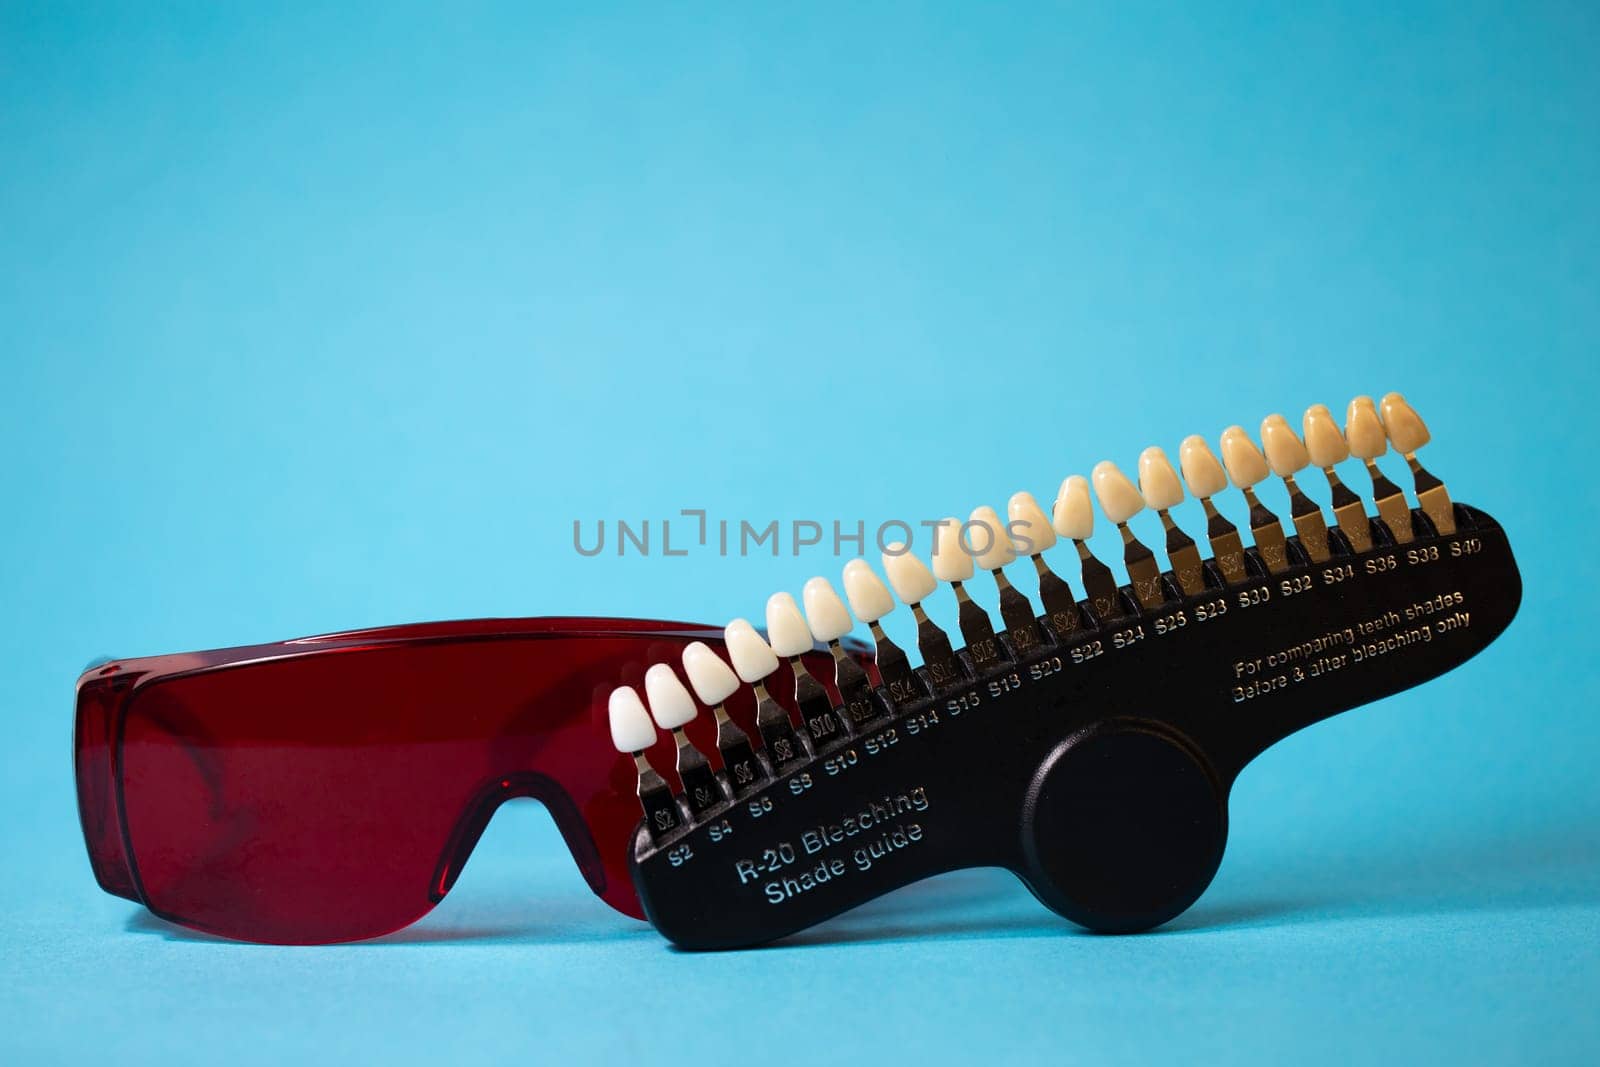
point(487, 800)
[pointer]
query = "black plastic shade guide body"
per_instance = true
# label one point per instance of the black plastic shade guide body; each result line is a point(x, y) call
point(1096, 767)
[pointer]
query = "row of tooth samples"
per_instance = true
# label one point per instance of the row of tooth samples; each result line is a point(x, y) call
point(985, 542)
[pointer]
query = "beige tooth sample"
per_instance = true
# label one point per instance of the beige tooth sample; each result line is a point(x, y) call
point(826, 614)
point(1028, 520)
point(1363, 429)
point(1201, 471)
point(1364, 432)
point(952, 562)
point(1245, 464)
point(869, 598)
point(1073, 518)
point(996, 550)
point(909, 577)
point(671, 706)
point(1206, 478)
point(1286, 453)
point(752, 657)
point(787, 631)
point(1121, 500)
point(1407, 432)
point(1287, 456)
point(631, 728)
point(1325, 442)
point(1247, 467)
point(714, 682)
point(1327, 448)
point(993, 549)
point(791, 638)
point(1159, 484)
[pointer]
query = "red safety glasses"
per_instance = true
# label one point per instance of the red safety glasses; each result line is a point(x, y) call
point(330, 788)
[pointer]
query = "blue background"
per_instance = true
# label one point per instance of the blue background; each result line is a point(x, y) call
point(320, 320)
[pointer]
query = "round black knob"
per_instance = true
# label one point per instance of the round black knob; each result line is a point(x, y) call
point(1124, 827)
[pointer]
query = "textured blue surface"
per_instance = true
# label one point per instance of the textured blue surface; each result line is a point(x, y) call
point(318, 321)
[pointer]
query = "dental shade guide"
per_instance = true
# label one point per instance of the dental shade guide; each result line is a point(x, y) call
point(1093, 760)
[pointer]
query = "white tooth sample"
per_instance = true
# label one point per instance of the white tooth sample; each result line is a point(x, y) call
point(787, 632)
point(826, 614)
point(1073, 516)
point(1246, 465)
point(869, 597)
point(951, 560)
point(1286, 453)
point(1158, 481)
point(1023, 510)
point(1405, 426)
point(1363, 430)
point(1201, 471)
point(670, 703)
point(752, 657)
point(712, 678)
point(998, 550)
point(912, 580)
point(1119, 498)
point(1324, 440)
point(631, 728)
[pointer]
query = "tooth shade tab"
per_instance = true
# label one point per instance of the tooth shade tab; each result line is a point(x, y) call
point(911, 579)
point(1405, 426)
point(787, 632)
point(1286, 453)
point(713, 680)
point(670, 703)
point(1158, 481)
point(826, 614)
point(869, 597)
point(1363, 430)
point(1325, 442)
point(631, 728)
point(1246, 465)
point(1119, 499)
point(752, 657)
point(1074, 511)
point(989, 539)
point(1201, 471)
point(951, 560)
point(1028, 517)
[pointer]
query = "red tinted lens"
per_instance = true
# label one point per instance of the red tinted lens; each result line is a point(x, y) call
point(334, 794)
